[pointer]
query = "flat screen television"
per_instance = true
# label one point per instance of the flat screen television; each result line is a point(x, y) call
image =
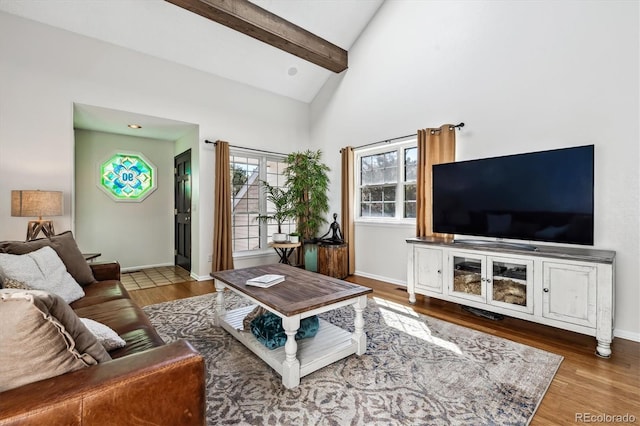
point(538, 196)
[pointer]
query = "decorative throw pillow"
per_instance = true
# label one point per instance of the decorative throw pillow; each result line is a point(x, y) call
point(41, 337)
point(108, 338)
point(65, 245)
point(41, 270)
point(11, 283)
point(268, 329)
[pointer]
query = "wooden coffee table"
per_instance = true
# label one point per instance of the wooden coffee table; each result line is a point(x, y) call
point(301, 295)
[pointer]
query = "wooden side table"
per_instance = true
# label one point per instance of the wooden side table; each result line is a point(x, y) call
point(333, 260)
point(284, 250)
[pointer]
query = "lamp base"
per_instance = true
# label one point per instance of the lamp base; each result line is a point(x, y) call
point(34, 227)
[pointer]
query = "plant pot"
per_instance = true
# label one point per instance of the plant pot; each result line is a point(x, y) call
point(311, 256)
point(279, 237)
point(294, 238)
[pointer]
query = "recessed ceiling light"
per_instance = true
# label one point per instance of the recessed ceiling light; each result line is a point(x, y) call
point(134, 126)
point(292, 71)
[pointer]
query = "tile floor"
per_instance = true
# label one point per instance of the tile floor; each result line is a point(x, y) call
point(154, 277)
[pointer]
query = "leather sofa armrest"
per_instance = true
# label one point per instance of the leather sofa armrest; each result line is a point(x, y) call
point(103, 271)
point(163, 385)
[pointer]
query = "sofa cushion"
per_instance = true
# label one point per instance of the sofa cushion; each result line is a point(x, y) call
point(108, 338)
point(65, 245)
point(41, 269)
point(138, 340)
point(121, 315)
point(42, 337)
point(101, 291)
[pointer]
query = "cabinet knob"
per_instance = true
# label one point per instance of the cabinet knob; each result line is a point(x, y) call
point(546, 290)
point(488, 280)
point(439, 271)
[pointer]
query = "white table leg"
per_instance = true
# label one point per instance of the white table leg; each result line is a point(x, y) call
point(220, 311)
point(603, 349)
point(291, 364)
point(359, 335)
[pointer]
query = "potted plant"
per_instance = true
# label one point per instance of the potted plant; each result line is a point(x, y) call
point(294, 237)
point(282, 209)
point(308, 183)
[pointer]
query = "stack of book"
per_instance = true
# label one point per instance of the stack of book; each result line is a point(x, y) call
point(265, 281)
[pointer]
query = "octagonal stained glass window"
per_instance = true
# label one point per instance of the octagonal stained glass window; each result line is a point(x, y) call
point(127, 177)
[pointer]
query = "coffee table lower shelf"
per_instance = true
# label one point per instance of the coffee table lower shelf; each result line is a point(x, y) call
point(330, 344)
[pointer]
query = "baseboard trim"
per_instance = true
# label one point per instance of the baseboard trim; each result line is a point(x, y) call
point(200, 277)
point(627, 335)
point(137, 268)
point(381, 278)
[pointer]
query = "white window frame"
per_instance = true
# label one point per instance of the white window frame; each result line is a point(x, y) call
point(264, 232)
point(399, 201)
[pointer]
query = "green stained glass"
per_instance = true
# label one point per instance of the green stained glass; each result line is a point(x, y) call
point(127, 177)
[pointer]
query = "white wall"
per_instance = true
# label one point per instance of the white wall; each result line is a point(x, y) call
point(44, 70)
point(523, 76)
point(136, 234)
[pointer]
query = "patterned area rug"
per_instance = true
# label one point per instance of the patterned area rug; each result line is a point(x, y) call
point(417, 371)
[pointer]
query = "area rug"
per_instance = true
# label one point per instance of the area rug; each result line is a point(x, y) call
point(417, 371)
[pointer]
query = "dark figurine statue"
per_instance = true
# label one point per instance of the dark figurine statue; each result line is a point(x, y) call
point(334, 230)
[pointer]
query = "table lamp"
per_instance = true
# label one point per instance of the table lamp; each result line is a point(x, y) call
point(37, 204)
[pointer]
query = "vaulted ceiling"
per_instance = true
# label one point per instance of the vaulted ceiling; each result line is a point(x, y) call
point(171, 32)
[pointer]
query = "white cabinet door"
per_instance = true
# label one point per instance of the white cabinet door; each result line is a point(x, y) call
point(428, 266)
point(467, 276)
point(570, 293)
point(510, 283)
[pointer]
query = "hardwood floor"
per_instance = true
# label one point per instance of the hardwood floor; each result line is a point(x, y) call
point(585, 386)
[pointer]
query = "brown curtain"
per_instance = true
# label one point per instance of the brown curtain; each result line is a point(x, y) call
point(348, 228)
point(222, 245)
point(435, 146)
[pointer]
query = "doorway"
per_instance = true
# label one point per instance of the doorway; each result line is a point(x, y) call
point(182, 210)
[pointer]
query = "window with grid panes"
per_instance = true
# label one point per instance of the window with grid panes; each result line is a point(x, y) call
point(386, 181)
point(248, 199)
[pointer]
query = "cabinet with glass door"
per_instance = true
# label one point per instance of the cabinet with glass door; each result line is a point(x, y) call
point(504, 282)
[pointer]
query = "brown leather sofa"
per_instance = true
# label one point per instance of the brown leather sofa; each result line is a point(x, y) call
point(146, 382)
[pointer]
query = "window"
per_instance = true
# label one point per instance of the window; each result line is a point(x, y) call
point(248, 199)
point(386, 181)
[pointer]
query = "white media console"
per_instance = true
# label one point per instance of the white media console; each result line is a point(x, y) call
point(569, 288)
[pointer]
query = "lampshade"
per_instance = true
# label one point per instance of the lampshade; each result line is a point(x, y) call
point(36, 203)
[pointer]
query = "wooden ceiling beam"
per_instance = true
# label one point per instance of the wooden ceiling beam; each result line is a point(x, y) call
point(256, 22)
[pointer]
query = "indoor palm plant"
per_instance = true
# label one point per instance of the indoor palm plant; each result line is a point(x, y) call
point(308, 183)
point(282, 208)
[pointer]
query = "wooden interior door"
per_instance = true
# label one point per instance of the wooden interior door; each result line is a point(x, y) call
point(182, 210)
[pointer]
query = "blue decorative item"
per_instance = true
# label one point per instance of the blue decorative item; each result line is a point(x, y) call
point(268, 329)
point(127, 177)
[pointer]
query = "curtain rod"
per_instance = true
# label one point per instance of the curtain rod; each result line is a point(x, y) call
point(451, 127)
point(249, 149)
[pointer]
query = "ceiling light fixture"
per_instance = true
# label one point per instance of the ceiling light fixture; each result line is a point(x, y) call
point(292, 71)
point(134, 126)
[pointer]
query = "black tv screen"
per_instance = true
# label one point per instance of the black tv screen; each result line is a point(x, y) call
point(538, 196)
